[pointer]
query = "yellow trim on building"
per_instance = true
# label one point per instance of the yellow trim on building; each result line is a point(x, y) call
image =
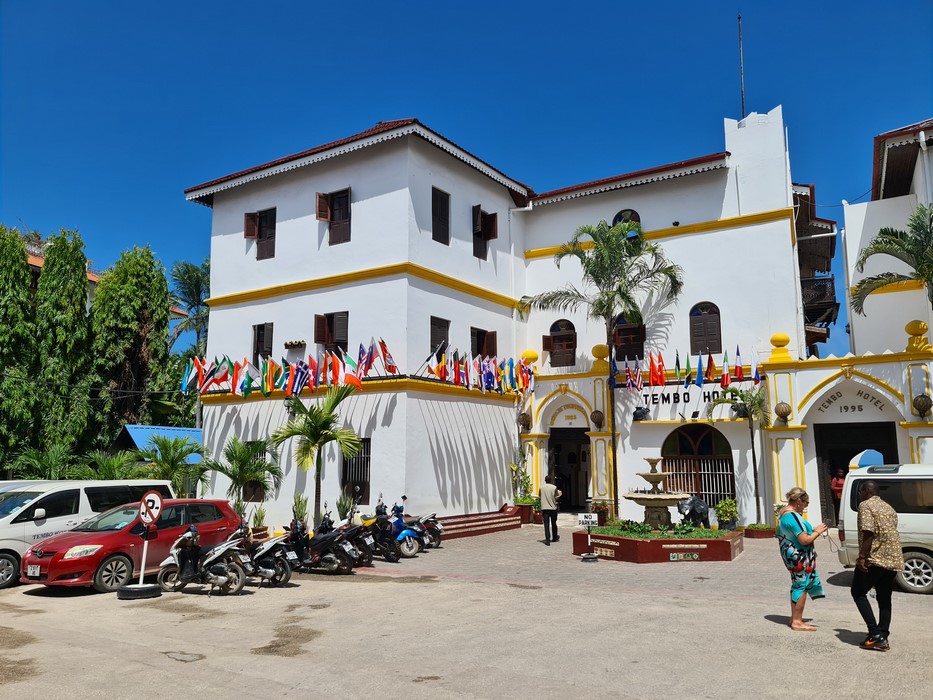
point(786, 429)
point(562, 377)
point(833, 377)
point(905, 286)
point(908, 424)
point(397, 269)
point(843, 362)
point(701, 227)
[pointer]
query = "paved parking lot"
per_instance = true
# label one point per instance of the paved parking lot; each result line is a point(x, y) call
point(500, 615)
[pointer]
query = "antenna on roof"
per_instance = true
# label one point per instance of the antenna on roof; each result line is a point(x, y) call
point(741, 66)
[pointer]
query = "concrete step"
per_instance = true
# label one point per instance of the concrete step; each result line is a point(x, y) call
point(473, 524)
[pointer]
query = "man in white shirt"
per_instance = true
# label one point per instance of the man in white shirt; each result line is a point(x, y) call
point(549, 495)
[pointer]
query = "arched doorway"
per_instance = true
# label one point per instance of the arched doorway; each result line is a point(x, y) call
point(698, 461)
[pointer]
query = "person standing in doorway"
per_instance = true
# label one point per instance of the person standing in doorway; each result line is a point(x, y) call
point(836, 486)
point(880, 557)
point(549, 495)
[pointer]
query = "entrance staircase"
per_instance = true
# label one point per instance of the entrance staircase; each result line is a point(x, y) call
point(506, 518)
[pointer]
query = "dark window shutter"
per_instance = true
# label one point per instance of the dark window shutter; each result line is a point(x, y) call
point(323, 206)
point(477, 219)
point(440, 216)
point(250, 225)
point(266, 340)
point(341, 329)
point(546, 343)
point(489, 347)
point(490, 226)
point(320, 329)
point(257, 330)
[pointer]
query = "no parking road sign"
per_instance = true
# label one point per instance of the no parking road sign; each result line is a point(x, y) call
point(150, 508)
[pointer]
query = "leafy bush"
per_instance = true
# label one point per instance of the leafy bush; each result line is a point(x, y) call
point(726, 510)
point(759, 526)
point(643, 531)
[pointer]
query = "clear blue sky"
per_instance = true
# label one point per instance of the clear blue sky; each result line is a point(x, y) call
point(111, 109)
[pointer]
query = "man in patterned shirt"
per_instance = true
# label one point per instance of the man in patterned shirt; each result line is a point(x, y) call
point(879, 559)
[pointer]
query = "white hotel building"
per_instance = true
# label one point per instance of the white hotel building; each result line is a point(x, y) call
point(399, 233)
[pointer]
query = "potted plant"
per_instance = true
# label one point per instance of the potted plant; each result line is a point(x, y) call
point(759, 531)
point(300, 506)
point(601, 508)
point(259, 528)
point(537, 518)
point(727, 513)
point(521, 485)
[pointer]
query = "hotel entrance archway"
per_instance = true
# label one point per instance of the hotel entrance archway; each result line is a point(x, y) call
point(568, 452)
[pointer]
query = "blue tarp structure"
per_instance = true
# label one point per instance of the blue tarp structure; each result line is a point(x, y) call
point(137, 437)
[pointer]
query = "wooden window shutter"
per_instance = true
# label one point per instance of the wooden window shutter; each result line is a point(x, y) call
point(250, 225)
point(489, 347)
point(546, 343)
point(342, 329)
point(490, 226)
point(323, 206)
point(266, 340)
point(440, 216)
point(641, 333)
point(477, 219)
point(321, 334)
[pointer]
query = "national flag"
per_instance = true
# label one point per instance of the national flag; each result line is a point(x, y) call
point(188, 376)
point(725, 380)
point(236, 379)
point(312, 373)
point(264, 387)
point(662, 372)
point(200, 367)
point(521, 376)
point(387, 360)
point(271, 377)
point(207, 378)
point(755, 376)
point(370, 359)
point(639, 381)
point(223, 366)
point(299, 377)
point(613, 371)
point(687, 373)
point(283, 379)
point(361, 360)
point(478, 373)
point(652, 369)
point(677, 366)
point(699, 379)
point(468, 370)
point(351, 370)
point(324, 367)
point(510, 374)
point(629, 380)
point(246, 388)
point(441, 369)
point(336, 369)
point(501, 378)
point(739, 370)
point(710, 375)
point(489, 374)
point(455, 368)
point(531, 379)
point(432, 364)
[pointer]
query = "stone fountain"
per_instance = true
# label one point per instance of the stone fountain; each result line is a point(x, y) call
point(656, 501)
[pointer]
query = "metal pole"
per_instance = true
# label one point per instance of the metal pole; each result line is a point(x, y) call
point(741, 67)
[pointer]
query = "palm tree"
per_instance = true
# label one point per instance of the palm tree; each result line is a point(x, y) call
point(315, 426)
point(191, 286)
point(619, 266)
point(753, 405)
point(56, 462)
point(244, 463)
point(168, 458)
point(119, 465)
point(912, 247)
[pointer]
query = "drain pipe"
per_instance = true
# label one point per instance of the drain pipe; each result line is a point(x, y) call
point(926, 165)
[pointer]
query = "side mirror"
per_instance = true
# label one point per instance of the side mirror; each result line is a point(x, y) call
point(38, 514)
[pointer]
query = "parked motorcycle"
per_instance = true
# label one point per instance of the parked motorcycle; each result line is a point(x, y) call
point(268, 559)
point(188, 562)
point(361, 540)
point(410, 542)
point(331, 551)
point(430, 524)
point(381, 529)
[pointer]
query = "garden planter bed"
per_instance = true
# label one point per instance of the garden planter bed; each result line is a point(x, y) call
point(656, 551)
point(759, 534)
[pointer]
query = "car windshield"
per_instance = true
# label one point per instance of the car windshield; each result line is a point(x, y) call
point(115, 519)
point(12, 501)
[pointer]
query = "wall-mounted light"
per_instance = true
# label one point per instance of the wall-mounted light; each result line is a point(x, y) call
point(923, 404)
point(782, 410)
point(524, 421)
point(597, 417)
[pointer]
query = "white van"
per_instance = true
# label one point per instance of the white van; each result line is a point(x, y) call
point(33, 510)
point(908, 489)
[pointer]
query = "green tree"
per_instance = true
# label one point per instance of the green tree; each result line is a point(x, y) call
point(618, 266)
point(63, 337)
point(753, 405)
point(119, 465)
point(253, 462)
point(191, 287)
point(55, 462)
point(913, 247)
point(17, 347)
point(168, 458)
point(129, 321)
point(315, 426)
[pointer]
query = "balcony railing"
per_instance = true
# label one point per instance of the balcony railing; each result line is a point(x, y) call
point(818, 290)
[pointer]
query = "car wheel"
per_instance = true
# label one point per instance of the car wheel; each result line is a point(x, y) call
point(9, 569)
point(114, 571)
point(917, 574)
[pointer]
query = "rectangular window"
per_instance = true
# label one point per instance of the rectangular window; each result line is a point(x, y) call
point(103, 498)
point(262, 342)
point(563, 347)
point(482, 343)
point(334, 208)
point(440, 335)
point(440, 216)
point(356, 472)
point(332, 330)
point(629, 339)
point(485, 229)
point(903, 495)
point(260, 226)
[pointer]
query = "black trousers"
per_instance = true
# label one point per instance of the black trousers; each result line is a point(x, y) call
point(550, 524)
point(882, 580)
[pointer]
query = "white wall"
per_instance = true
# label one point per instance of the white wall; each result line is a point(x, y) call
point(759, 161)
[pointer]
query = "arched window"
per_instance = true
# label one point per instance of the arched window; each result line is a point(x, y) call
point(626, 215)
point(561, 342)
point(628, 339)
point(698, 461)
point(705, 329)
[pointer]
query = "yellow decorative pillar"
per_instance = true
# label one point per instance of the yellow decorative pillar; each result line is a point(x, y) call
point(787, 464)
point(535, 445)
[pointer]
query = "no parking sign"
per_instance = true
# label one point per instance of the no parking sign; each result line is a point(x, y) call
point(150, 508)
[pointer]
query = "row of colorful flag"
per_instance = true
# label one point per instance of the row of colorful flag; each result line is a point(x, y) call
point(483, 373)
point(329, 368)
point(657, 374)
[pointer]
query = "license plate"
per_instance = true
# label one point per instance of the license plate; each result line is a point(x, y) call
point(243, 558)
point(32, 571)
point(369, 540)
point(347, 547)
point(440, 527)
point(426, 539)
point(291, 555)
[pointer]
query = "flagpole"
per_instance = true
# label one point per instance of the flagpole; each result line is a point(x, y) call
point(428, 359)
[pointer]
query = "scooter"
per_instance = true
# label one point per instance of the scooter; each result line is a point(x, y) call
point(430, 524)
point(268, 559)
point(381, 529)
point(410, 542)
point(362, 541)
point(189, 563)
point(331, 552)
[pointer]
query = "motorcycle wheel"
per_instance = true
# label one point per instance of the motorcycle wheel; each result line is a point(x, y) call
point(409, 547)
point(236, 579)
point(435, 538)
point(168, 579)
point(283, 572)
point(391, 551)
point(344, 563)
point(366, 554)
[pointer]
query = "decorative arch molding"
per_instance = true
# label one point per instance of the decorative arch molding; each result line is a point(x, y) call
point(839, 378)
point(563, 396)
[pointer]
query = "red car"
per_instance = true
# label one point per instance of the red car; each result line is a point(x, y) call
point(106, 551)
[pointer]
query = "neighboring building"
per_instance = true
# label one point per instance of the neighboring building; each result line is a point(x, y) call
point(399, 233)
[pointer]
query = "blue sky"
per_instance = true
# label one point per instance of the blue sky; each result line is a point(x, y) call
point(109, 110)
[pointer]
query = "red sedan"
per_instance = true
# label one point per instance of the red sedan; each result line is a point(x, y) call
point(106, 551)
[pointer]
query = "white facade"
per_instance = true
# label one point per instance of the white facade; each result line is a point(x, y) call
point(727, 219)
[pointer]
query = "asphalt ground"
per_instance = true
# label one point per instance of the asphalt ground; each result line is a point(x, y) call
point(494, 616)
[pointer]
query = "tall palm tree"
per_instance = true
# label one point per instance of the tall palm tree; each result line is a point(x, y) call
point(619, 266)
point(168, 458)
point(119, 465)
point(753, 405)
point(244, 463)
point(315, 426)
point(913, 247)
point(55, 462)
point(191, 287)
